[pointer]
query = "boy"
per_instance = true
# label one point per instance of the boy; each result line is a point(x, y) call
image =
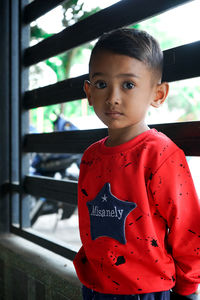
point(138, 209)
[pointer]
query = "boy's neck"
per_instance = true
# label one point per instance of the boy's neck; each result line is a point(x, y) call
point(117, 137)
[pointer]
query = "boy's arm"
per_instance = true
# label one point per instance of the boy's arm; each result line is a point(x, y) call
point(175, 296)
point(176, 199)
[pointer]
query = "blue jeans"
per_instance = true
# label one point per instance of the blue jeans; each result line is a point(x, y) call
point(89, 294)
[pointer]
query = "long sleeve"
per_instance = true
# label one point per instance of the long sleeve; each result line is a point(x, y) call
point(174, 195)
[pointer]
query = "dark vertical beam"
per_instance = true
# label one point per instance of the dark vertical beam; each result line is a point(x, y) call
point(24, 37)
point(4, 112)
point(14, 120)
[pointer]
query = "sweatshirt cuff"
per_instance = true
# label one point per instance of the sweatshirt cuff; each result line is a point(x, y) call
point(185, 288)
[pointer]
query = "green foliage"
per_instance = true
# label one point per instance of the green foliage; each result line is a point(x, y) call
point(185, 97)
point(73, 11)
point(38, 33)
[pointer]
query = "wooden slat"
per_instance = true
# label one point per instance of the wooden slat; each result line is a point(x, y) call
point(179, 63)
point(185, 134)
point(52, 189)
point(182, 62)
point(123, 13)
point(179, 131)
point(38, 8)
point(63, 91)
point(62, 142)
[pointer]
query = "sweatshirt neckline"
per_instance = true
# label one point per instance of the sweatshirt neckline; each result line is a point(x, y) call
point(126, 146)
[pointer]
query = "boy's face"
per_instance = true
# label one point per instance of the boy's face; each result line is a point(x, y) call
point(121, 89)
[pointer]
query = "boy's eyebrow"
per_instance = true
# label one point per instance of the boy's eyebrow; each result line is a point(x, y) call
point(128, 75)
point(119, 75)
point(97, 74)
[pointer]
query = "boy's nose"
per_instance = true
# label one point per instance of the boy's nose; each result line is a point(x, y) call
point(113, 96)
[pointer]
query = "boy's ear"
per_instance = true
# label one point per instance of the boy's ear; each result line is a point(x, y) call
point(87, 90)
point(161, 93)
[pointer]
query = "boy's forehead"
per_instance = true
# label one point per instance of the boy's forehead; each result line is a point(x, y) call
point(107, 62)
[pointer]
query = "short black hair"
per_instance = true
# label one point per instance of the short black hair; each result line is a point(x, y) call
point(134, 43)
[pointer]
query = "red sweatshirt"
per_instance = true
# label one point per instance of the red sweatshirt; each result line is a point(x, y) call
point(139, 218)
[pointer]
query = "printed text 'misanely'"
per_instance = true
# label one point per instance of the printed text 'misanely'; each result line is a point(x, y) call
point(111, 213)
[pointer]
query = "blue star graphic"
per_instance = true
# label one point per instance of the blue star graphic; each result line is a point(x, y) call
point(108, 215)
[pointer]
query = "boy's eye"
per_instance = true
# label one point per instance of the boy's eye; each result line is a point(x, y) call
point(128, 85)
point(100, 84)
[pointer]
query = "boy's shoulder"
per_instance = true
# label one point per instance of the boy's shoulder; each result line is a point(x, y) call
point(94, 147)
point(160, 147)
point(161, 142)
point(159, 138)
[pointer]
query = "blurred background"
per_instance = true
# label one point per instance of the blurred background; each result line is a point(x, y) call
point(176, 27)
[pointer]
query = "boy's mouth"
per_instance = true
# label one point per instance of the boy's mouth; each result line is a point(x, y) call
point(113, 114)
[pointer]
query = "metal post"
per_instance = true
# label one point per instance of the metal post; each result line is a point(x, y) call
point(23, 116)
point(4, 113)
